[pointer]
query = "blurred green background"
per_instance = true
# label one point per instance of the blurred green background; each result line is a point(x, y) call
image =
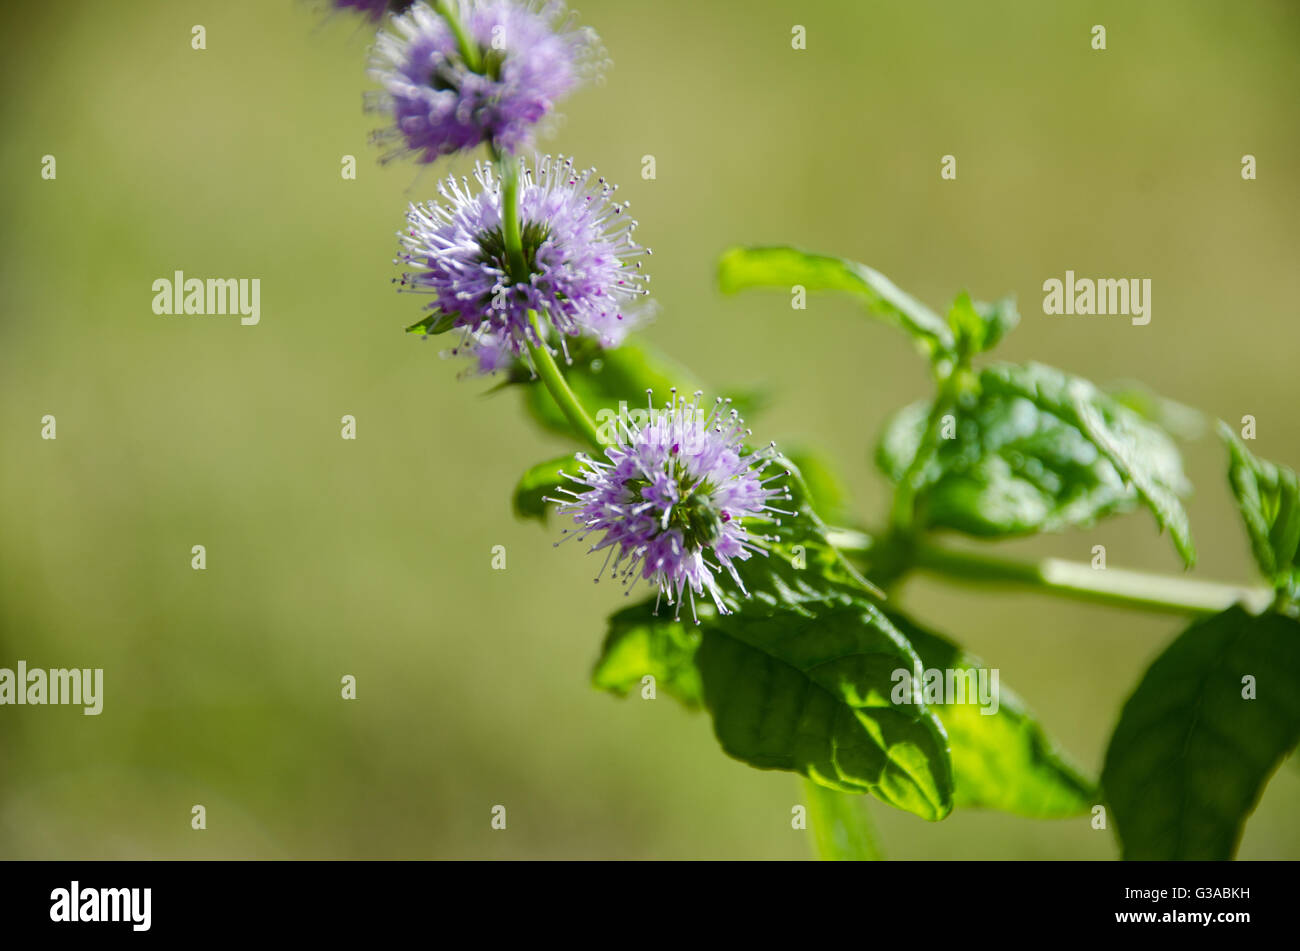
point(372, 557)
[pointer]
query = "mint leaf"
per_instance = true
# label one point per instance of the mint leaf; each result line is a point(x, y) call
point(1190, 756)
point(1013, 469)
point(640, 645)
point(800, 675)
point(1268, 497)
point(1003, 760)
point(539, 483)
point(826, 491)
point(436, 323)
point(784, 267)
point(811, 694)
point(1179, 420)
point(804, 689)
point(977, 326)
point(1140, 452)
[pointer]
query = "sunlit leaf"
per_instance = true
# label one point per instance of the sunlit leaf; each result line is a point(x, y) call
point(1002, 759)
point(785, 267)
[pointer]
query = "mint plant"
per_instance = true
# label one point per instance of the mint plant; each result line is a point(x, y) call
point(791, 641)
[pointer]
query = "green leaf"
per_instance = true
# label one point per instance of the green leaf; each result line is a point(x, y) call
point(1000, 318)
point(1179, 420)
point(539, 483)
point(1013, 469)
point(1190, 756)
point(826, 492)
point(806, 690)
point(802, 566)
point(784, 267)
point(901, 439)
point(978, 326)
point(800, 675)
point(641, 645)
point(436, 323)
point(1002, 760)
point(1143, 454)
point(1268, 497)
point(812, 694)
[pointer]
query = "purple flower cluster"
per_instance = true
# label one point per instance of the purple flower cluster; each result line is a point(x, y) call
point(580, 266)
point(488, 71)
point(374, 9)
point(676, 501)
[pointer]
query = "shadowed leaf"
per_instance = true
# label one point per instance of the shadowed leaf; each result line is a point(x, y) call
point(1190, 756)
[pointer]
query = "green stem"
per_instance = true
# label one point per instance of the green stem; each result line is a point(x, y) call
point(1133, 589)
point(1116, 586)
point(543, 360)
point(510, 230)
point(840, 825)
point(902, 513)
point(565, 399)
point(468, 48)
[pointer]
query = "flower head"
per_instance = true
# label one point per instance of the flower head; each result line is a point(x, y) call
point(580, 266)
point(676, 502)
point(375, 9)
point(487, 74)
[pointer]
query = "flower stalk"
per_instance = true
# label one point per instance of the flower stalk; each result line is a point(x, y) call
point(553, 378)
point(468, 48)
point(542, 359)
point(841, 829)
point(508, 168)
point(1121, 587)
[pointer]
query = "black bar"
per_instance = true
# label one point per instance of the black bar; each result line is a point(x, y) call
point(657, 901)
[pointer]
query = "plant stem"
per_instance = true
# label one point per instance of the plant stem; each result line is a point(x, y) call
point(543, 360)
point(1166, 594)
point(565, 398)
point(1133, 589)
point(902, 512)
point(510, 232)
point(468, 49)
point(840, 825)
point(951, 383)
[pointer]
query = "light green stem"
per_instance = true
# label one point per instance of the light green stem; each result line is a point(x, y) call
point(840, 826)
point(543, 360)
point(510, 230)
point(1133, 589)
point(565, 398)
point(902, 511)
point(950, 383)
point(1165, 594)
point(468, 48)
